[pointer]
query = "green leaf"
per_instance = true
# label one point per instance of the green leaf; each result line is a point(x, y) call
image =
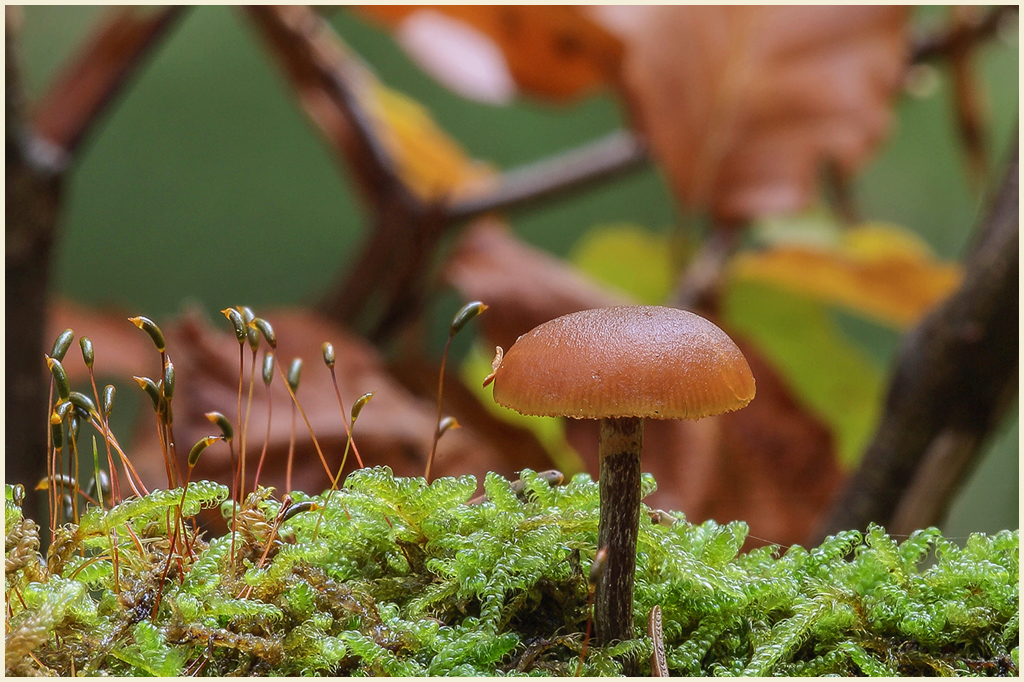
point(549, 431)
point(830, 374)
point(628, 257)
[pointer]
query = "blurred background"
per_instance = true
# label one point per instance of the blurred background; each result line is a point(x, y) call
point(205, 185)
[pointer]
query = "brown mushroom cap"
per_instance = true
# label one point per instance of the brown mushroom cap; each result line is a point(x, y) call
point(625, 361)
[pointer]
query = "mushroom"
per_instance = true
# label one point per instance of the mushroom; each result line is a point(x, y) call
point(621, 365)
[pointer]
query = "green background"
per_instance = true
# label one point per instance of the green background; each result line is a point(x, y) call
point(206, 183)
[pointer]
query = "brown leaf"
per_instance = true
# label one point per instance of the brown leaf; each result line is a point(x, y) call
point(551, 51)
point(522, 285)
point(772, 464)
point(121, 350)
point(395, 429)
point(744, 104)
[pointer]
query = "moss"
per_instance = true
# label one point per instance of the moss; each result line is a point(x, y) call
point(396, 577)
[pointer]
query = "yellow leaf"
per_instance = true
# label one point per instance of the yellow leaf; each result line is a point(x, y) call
point(628, 257)
point(880, 271)
point(430, 162)
point(550, 432)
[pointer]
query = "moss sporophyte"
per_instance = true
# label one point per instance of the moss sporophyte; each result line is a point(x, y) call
point(384, 575)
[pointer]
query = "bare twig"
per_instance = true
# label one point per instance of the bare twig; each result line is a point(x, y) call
point(387, 283)
point(31, 215)
point(404, 231)
point(949, 40)
point(700, 283)
point(617, 154)
point(75, 100)
point(967, 99)
point(954, 378)
point(328, 79)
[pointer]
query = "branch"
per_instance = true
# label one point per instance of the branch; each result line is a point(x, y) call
point(954, 378)
point(959, 37)
point(31, 218)
point(77, 98)
point(700, 283)
point(967, 100)
point(328, 79)
point(607, 158)
point(391, 271)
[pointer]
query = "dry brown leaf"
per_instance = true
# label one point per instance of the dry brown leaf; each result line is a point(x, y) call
point(519, 447)
point(395, 429)
point(551, 51)
point(522, 285)
point(121, 350)
point(744, 104)
point(877, 270)
point(772, 464)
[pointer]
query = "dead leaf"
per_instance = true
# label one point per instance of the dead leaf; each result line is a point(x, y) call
point(744, 104)
point(121, 350)
point(395, 429)
point(519, 447)
point(772, 464)
point(549, 50)
point(522, 285)
point(878, 270)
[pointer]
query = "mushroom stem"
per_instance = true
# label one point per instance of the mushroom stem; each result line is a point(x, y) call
point(619, 486)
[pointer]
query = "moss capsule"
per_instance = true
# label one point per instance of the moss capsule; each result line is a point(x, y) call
point(150, 387)
point(222, 423)
point(168, 382)
point(299, 508)
point(61, 344)
point(268, 368)
point(294, 373)
point(83, 402)
point(465, 314)
point(150, 327)
point(60, 412)
point(359, 404)
point(87, 352)
point(235, 318)
point(199, 447)
point(108, 399)
point(60, 377)
point(328, 352)
point(266, 329)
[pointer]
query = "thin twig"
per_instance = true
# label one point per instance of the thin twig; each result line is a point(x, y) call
point(609, 157)
point(968, 101)
point(328, 78)
point(946, 41)
point(954, 378)
point(77, 98)
point(392, 267)
point(700, 283)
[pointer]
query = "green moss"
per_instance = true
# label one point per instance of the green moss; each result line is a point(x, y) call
point(396, 577)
